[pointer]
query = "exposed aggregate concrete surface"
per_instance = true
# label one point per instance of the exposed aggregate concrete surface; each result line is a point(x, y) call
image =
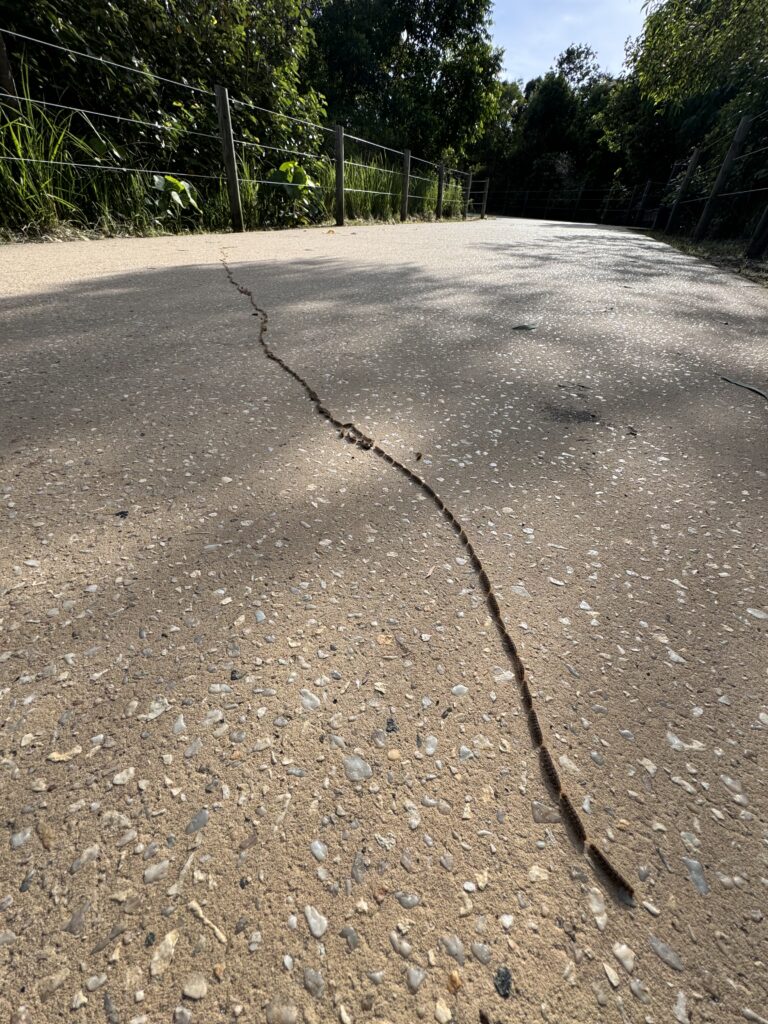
point(262, 756)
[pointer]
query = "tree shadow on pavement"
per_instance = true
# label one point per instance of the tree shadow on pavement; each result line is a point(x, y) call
point(106, 353)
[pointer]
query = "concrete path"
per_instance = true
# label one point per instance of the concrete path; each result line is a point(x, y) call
point(262, 751)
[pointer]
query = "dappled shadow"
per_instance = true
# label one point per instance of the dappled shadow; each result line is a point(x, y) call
point(623, 252)
point(105, 352)
point(126, 392)
point(441, 347)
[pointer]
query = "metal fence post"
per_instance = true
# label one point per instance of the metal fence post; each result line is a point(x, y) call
point(693, 163)
point(440, 190)
point(672, 173)
point(339, 138)
point(485, 198)
point(630, 204)
point(643, 201)
point(466, 197)
point(607, 204)
point(733, 151)
point(577, 204)
point(758, 245)
point(406, 184)
point(230, 160)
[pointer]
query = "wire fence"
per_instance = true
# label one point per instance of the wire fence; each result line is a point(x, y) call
point(379, 181)
point(202, 161)
point(720, 192)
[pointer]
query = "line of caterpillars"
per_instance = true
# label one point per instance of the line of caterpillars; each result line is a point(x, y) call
point(351, 433)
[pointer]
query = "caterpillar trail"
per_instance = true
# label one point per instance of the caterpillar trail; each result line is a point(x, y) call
point(535, 727)
point(527, 699)
point(550, 773)
point(351, 433)
point(609, 872)
point(572, 819)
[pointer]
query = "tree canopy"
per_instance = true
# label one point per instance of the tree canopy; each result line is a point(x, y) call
point(691, 48)
point(417, 72)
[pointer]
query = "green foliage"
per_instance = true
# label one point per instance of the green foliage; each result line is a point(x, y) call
point(547, 135)
point(417, 73)
point(30, 182)
point(698, 66)
point(636, 133)
point(258, 50)
point(171, 198)
point(293, 178)
point(374, 192)
point(293, 200)
point(549, 121)
point(579, 66)
point(500, 136)
point(694, 47)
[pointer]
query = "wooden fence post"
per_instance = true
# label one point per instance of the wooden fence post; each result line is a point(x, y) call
point(339, 139)
point(406, 184)
point(440, 190)
point(230, 160)
point(485, 198)
point(466, 197)
point(725, 168)
point(758, 245)
point(693, 163)
point(643, 201)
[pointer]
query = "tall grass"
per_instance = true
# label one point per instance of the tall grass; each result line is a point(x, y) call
point(453, 198)
point(36, 191)
point(373, 191)
point(41, 187)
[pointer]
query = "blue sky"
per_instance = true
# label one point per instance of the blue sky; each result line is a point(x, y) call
point(533, 32)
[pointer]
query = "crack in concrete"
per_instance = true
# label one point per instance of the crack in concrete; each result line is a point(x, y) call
point(574, 826)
